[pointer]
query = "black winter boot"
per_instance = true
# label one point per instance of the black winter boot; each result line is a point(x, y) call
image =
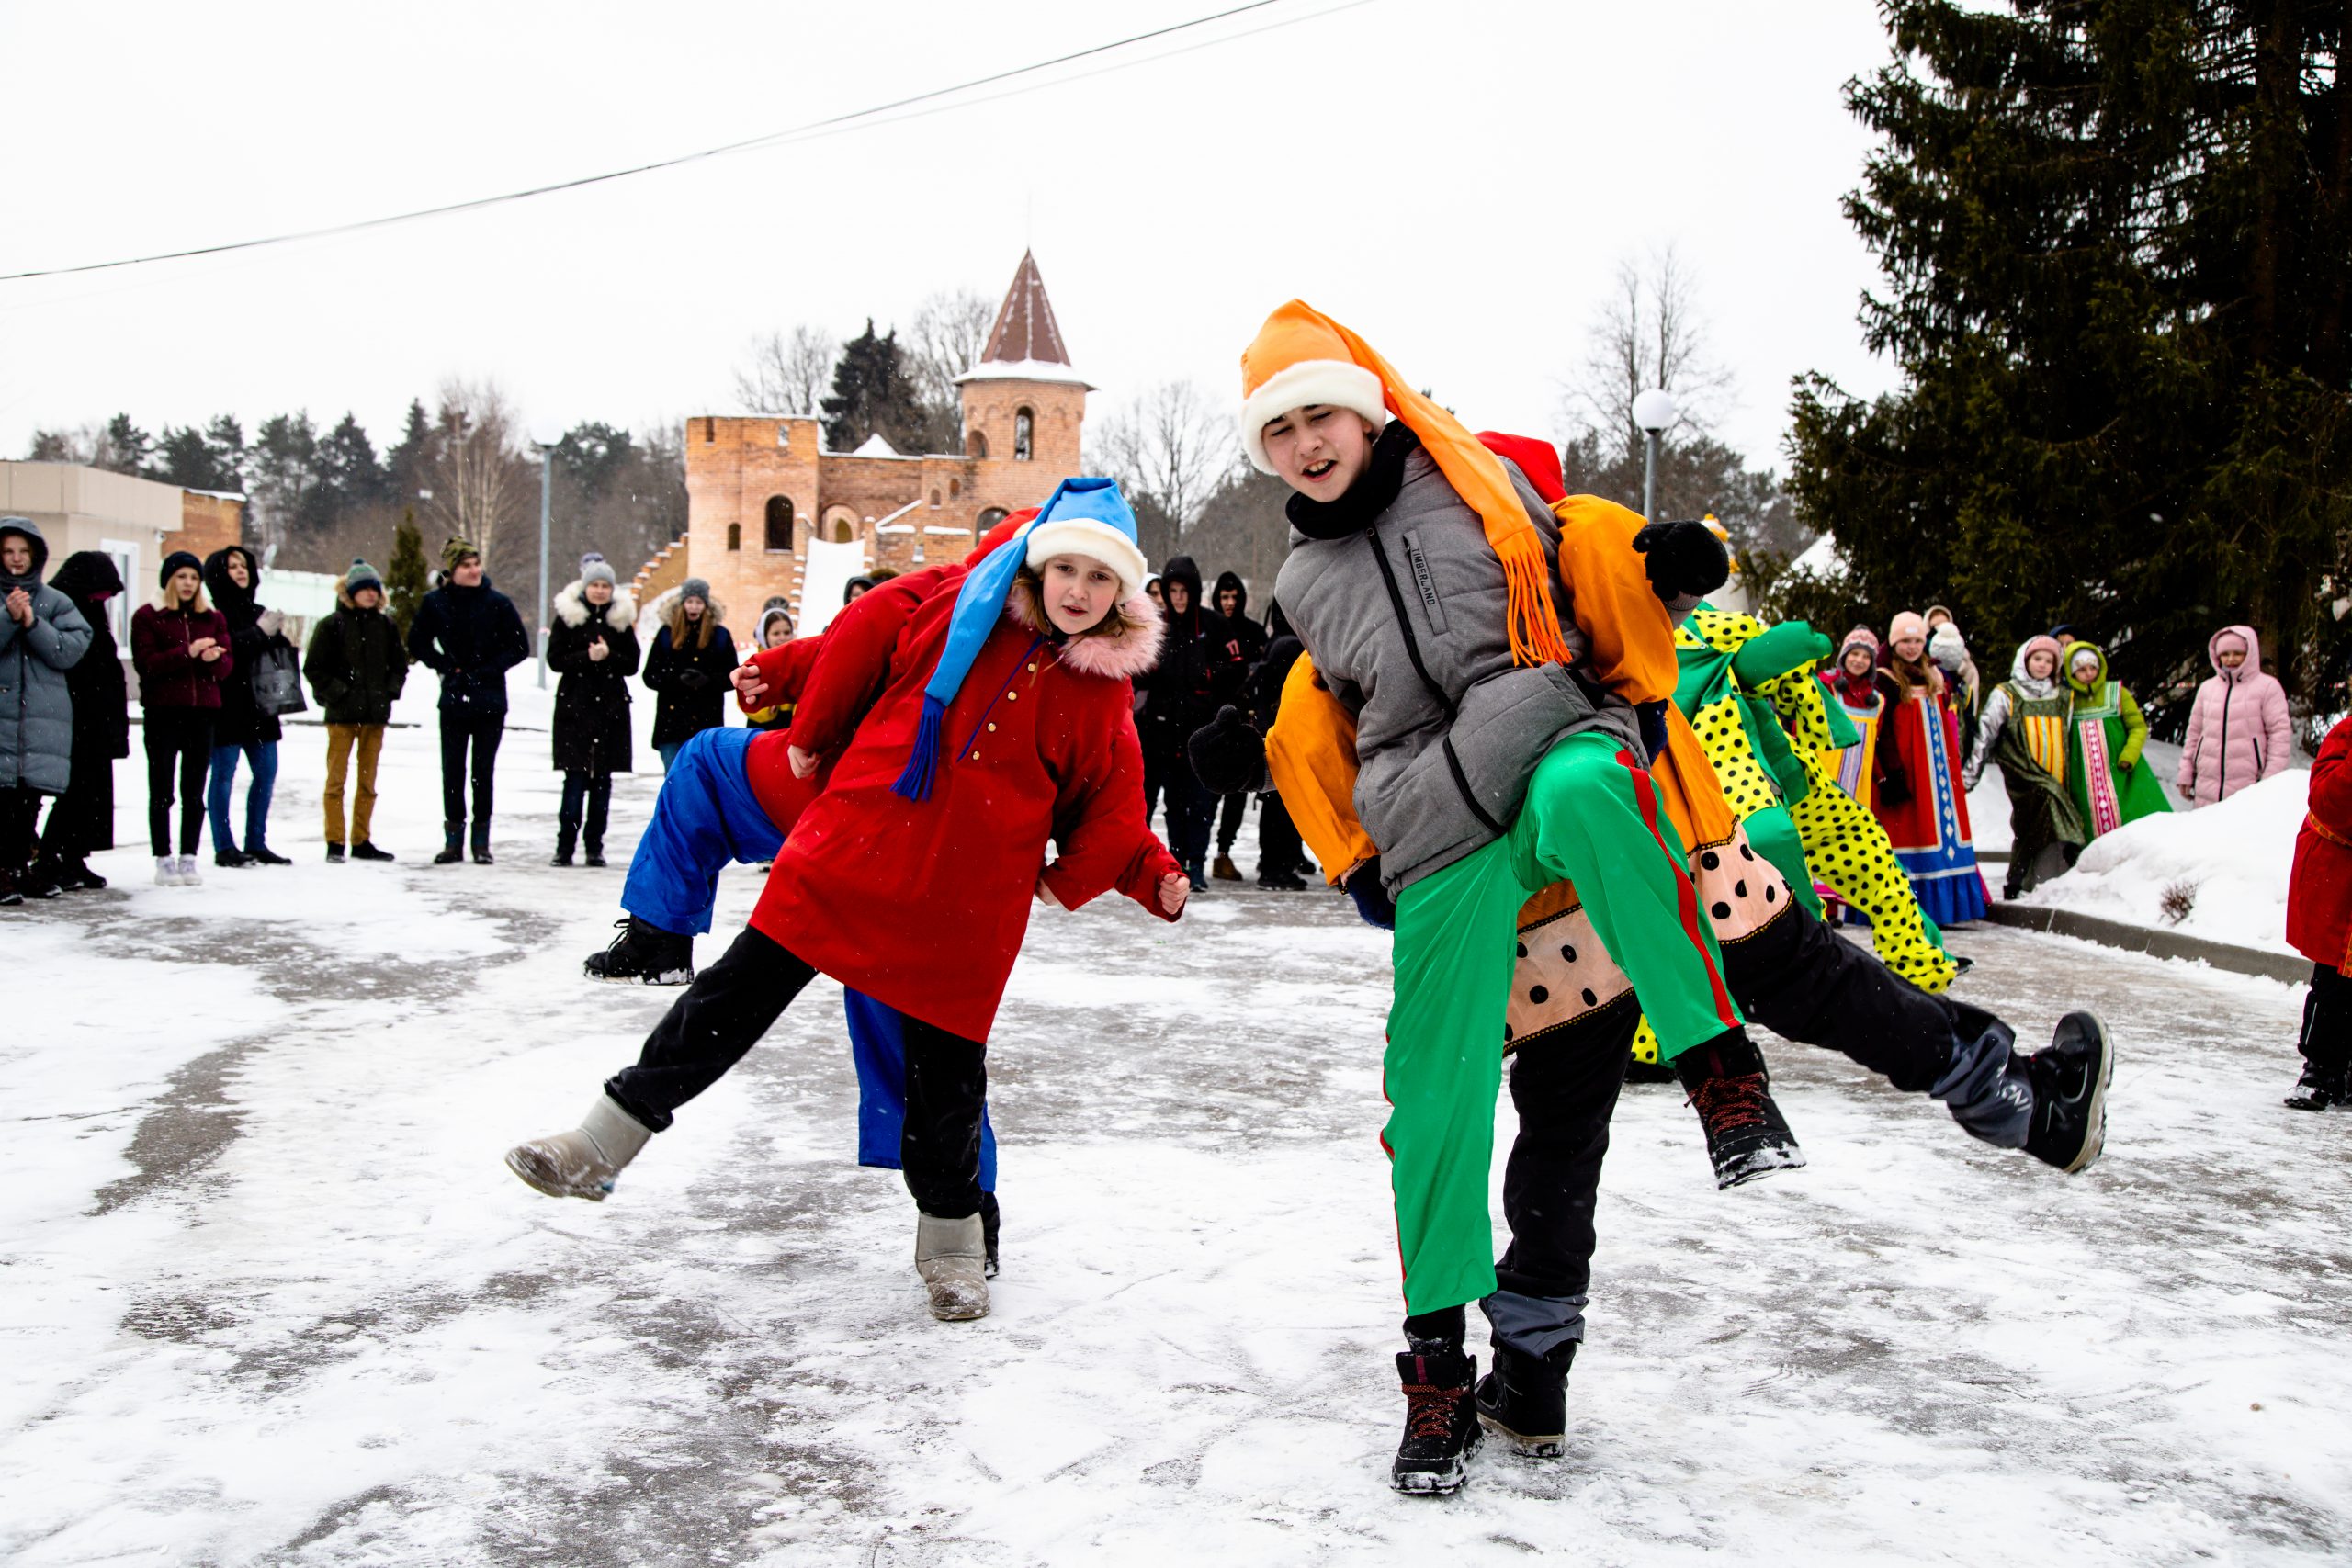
point(2318, 1089)
point(2327, 1075)
point(10, 895)
point(453, 844)
point(335, 854)
point(1729, 1087)
point(40, 880)
point(365, 850)
point(644, 952)
point(1524, 1400)
point(482, 840)
point(265, 856)
point(596, 854)
point(2070, 1079)
point(1440, 1417)
point(567, 836)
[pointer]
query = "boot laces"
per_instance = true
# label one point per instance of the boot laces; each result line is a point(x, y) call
point(1429, 1412)
point(1729, 1104)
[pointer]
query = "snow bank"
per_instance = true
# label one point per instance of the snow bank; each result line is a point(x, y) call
point(2232, 857)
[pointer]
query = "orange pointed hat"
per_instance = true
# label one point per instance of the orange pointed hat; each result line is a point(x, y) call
point(1302, 356)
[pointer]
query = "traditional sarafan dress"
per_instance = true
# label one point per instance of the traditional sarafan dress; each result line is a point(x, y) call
point(2104, 735)
point(1920, 805)
point(1864, 705)
point(2023, 731)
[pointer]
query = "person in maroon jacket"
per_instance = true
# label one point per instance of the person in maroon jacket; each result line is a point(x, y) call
point(2319, 925)
point(179, 644)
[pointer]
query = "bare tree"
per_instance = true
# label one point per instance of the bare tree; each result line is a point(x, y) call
point(950, 333)
point(1173, 445)
point(786, 373)
point(477, 467)
point(1648, 333)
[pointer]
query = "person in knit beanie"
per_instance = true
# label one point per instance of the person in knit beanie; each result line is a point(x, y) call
point(355, 668)
point(470, 635)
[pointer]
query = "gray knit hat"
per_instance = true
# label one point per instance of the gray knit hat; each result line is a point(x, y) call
point(361, 575)
point(694, 588)
point(595, 567)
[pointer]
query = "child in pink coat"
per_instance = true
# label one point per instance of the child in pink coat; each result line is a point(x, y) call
point(2238, 732)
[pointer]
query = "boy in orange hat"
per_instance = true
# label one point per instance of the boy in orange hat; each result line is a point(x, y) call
point(1425, 587)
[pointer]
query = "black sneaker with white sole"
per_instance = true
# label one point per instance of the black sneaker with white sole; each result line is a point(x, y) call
point(2070, 1077)
point(1440, 1420)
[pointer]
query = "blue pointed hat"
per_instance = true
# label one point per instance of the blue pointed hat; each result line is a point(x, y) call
point(1083, 516)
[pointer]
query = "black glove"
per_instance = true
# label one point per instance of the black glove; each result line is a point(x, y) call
point(1371, 899)
point(1228, 756)
point(693, 680)
point(1653, 717)
point(1685, 560)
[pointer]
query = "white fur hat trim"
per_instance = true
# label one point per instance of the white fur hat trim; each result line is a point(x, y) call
point(1338, 382)
point(1087, 536)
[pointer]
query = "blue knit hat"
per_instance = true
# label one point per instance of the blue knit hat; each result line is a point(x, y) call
point(1083, 514)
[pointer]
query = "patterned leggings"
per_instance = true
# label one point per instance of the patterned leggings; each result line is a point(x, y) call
point(1850, 851)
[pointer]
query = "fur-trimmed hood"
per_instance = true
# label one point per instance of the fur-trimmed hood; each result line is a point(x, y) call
point(664, 612)
point(572, 606)
point(1124, 645)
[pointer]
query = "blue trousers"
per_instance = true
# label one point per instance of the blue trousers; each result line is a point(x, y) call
point(263, 755)
point(706, 817)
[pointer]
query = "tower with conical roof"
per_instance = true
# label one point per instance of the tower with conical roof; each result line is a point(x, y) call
point(1022, 402)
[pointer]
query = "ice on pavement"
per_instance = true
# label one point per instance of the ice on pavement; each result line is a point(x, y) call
point(271, 1297)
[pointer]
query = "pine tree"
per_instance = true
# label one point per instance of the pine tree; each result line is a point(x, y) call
point(405, 463)
point(404, 578)
point(873, 395)
point(127, 449)
point(2117, 242)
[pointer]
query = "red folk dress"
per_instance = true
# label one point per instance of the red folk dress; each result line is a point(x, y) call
point(922, 905)
point(2318, 891)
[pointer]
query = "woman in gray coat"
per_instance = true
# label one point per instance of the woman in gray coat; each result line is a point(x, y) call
point(41, 636)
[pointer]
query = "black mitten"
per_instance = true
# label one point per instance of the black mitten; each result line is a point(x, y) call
point(1685, 560)
point(1653, 720)
point(1371, 899)
point(1228, 756)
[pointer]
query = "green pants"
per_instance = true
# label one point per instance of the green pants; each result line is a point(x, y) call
point(1590, 817)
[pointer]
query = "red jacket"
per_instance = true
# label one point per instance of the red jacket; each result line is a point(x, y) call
point(922, 905)
point(169, 675)
point(2319, 893)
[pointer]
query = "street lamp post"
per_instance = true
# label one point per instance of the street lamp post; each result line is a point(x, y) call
point(1652, 411)
point(547, 486)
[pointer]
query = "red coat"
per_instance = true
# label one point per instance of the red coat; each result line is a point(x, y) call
point(169, 675)
point(922, 905)
point(2319, 893)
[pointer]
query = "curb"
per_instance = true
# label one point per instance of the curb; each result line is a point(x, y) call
point(2156, 943)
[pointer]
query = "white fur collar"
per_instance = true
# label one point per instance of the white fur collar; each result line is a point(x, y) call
point(572, 606)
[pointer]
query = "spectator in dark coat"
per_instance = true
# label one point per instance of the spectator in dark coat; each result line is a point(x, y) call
point(1282, 857)
point(82, 822)
point(1245, 641)
point(687, 666)
point(1198, 672)
point(242, 729)
point(468, 634)
point(593, 644)
point(42, 636)
point(356, 669)
point(180, 647)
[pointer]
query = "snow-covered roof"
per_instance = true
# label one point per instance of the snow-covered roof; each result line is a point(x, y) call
point(1821, 559)
point(1023, 370)
point(876, 448)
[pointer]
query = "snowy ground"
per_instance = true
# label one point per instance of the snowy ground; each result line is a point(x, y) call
point(271, 1298)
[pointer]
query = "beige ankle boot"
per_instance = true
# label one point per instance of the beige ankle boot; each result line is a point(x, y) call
point(585, 1162)
point(952, 1256)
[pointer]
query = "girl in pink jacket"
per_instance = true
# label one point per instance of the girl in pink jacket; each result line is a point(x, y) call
point(2238, 732)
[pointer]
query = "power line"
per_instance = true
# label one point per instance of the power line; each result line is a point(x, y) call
point(816, 127)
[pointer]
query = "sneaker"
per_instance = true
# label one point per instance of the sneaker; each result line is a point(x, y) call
point(1440, 1420)
point(9, 893)
point(1729, 1089)
point(2316, 1090)
point(1280, 881)
point(2070, 1077)
point(643, 953)
point(264, 854)
point(39, 880)
point(335, 854)
point(189, 875)
point(78, 877)
point(365, 850)
point(235, 858)
point(1524, 1400)
point(1224, 870)
point(167, 870)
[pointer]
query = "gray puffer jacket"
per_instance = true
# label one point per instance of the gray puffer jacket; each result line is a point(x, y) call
point(35, 708)
point(1433, 787)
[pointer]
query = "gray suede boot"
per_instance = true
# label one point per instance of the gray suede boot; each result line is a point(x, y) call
point(952, 1257)
point(585, 1162)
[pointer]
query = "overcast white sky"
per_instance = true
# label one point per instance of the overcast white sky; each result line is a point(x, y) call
point(1454, 178)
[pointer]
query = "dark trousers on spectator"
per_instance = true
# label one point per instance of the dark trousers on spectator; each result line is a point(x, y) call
point(480, 733)
point(1280, 851)
point(735, 1001)
point(18, 807)
point(2327, 1041)
point(586, 797)
point(82, 822)
point(1231, 812)
point(179, 743)
point(1191, 811)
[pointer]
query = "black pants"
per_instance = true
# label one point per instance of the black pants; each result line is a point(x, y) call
point(18, 807)
point(178, 740)
point(482, 731)
point(1191, 810)
point(1565, 1088)
point(592, 792)
point(735, 1001)
point(1233, 807)
point(82, 822)
point(1280, 851)
point(2326, 1042)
